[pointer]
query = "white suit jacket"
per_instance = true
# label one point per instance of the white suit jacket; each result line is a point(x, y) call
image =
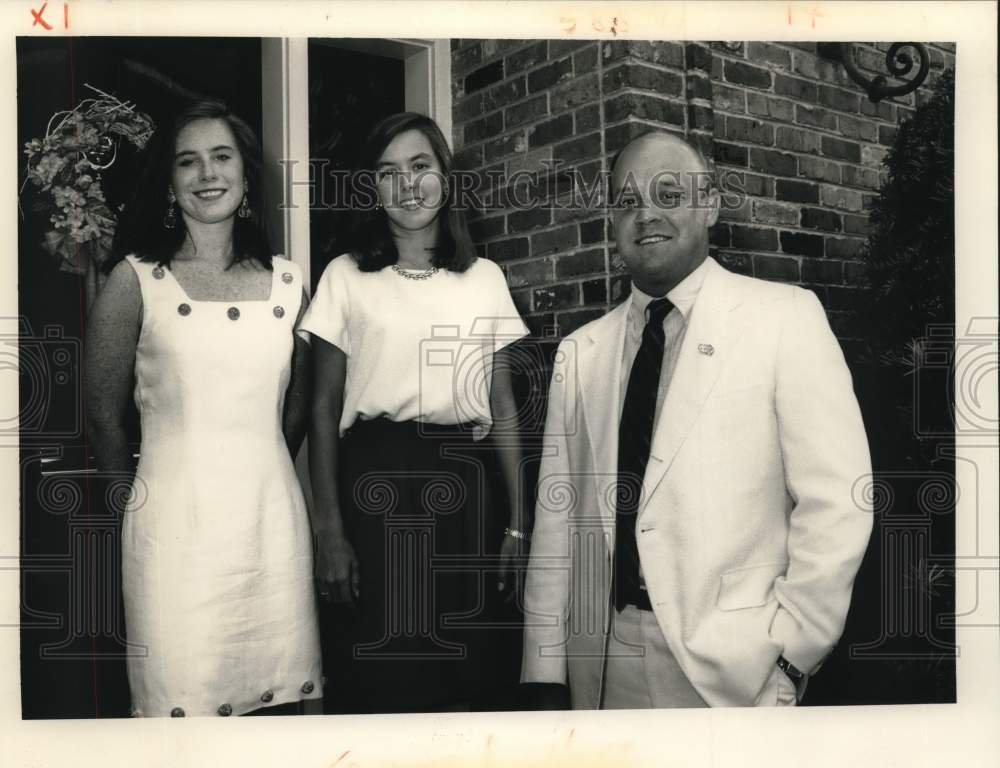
point(751, 527)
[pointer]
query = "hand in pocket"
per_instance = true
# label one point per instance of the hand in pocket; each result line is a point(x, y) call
point(786, 691)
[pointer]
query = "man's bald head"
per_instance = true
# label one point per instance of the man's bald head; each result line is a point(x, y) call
point(664, 139)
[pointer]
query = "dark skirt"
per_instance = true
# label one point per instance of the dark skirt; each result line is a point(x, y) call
point(415, 503)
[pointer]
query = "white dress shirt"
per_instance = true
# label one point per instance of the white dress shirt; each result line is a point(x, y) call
point(682, 296)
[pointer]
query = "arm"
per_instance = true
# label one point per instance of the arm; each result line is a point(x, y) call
point(508, 442)
point(546, 594)
point(293, 422)
point(825, 452)
point(109, 367)
point(336, 566)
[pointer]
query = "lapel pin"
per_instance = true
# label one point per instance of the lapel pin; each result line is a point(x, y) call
point(706, 349)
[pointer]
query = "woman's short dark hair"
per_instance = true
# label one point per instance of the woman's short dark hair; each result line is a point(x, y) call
point(369, 238)
point(140, 227)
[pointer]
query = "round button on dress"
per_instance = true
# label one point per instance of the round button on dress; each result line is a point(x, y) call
point(158, 272)
point(184, 309)
point(279, 312)
point(308, 687)
point(287, 278)
point(225, 710)
point(267, 697)
point(233, 313)
point(177, 712)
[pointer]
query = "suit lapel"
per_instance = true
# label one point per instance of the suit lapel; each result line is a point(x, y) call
point(706, 347)
point(600, 359)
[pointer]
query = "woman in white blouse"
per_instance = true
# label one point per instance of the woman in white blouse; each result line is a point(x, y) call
point(405, 329)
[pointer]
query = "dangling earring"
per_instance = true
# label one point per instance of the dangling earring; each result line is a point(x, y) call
point(170, 218)
point(244, 211)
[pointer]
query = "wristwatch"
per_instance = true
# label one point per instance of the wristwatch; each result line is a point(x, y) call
point(796, 675)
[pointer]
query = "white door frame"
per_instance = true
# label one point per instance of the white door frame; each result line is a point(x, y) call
point(285, 125)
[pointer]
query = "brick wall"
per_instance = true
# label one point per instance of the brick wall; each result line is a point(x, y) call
point(809, 145)
point(787, 127)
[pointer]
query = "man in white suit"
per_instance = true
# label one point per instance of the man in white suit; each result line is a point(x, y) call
point(725, 579)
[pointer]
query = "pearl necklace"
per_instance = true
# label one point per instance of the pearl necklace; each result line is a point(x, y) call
point(429, 272)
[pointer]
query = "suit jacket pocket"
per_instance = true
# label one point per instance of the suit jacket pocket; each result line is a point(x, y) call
point(748, 587)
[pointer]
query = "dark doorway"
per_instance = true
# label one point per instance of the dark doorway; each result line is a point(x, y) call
point(349, 92)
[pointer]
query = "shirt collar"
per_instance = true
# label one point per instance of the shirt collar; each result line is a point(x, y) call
point(681, 295)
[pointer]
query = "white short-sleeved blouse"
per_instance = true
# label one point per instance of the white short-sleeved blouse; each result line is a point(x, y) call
point(417, 350)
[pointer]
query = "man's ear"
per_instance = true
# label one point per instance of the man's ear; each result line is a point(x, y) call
point(711, 206)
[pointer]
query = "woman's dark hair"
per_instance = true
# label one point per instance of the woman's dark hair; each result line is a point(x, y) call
point(369, 239)
point(140, 227)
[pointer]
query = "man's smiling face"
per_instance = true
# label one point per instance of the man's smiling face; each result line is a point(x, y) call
point(662, 211)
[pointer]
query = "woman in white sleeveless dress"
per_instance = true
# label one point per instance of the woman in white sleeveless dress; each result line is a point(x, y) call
point(197, 319)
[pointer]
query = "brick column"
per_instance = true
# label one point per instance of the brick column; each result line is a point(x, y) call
point(564, 108)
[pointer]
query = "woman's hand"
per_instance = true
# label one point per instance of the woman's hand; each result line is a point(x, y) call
point(503, 407)
point(338, 577)
point(512, 551)
point(337, 574)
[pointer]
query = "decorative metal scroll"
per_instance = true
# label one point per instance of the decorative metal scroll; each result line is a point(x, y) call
point(898, 62)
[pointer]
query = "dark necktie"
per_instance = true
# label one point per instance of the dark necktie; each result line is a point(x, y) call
point(635, 434)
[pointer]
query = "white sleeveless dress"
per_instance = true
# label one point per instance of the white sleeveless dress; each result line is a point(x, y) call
point(217, 556)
